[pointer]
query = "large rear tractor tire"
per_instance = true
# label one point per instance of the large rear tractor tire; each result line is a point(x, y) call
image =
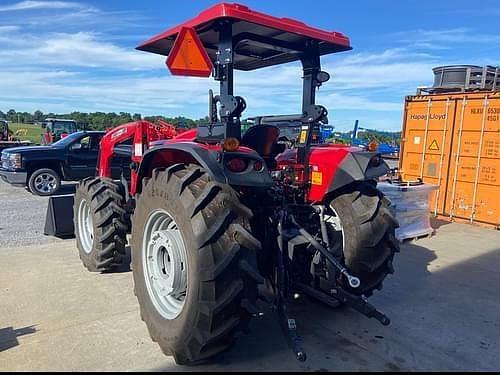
point(362, 232)
point(100, 224)
point(194, 263)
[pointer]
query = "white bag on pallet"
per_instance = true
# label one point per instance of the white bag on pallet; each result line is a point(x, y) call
point(411, 206)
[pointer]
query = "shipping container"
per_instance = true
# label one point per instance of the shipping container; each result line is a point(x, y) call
point(453, 140)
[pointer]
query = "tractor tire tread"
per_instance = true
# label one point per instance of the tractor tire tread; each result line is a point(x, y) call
point(369, 235)
point(221, 235)
point(105, 201)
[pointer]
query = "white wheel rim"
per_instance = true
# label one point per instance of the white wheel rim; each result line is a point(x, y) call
point(45, 183)
point(164, 264)
point(85, 226)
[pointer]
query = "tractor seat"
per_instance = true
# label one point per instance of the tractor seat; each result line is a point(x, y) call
point(262, 139)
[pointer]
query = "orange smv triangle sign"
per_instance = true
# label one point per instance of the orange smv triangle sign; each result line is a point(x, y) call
point(188, 57)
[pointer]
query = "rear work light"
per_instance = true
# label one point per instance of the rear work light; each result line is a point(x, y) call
point(230, 144)
point(237, 164)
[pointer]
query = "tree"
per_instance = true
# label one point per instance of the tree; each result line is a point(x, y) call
point(12, 115)
point(26, 118)
point(38, 115)
point(101, 120)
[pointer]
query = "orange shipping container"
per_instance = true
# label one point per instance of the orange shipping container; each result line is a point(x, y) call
point(453, 140)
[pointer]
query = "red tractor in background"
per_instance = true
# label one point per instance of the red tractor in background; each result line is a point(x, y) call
point(219, 221)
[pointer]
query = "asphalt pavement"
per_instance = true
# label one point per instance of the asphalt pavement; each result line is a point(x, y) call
point(443, 301)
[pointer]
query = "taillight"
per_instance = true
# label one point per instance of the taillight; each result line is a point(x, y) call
point(237, 164)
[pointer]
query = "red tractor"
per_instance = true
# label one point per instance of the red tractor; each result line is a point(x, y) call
point(223, 222)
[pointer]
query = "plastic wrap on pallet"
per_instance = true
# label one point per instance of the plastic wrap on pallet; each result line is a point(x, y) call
point(411, 206)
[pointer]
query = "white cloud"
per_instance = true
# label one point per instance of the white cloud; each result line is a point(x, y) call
point(31, 4)
point(443, 38)
point(87, 71)
point(80, 92)
point(394, 76)
point(75, 50)
point(7, 29)
point(85, 20)
point(272, 90)
point(393, 69)
point(336, 101)
point(163, 93)
point(388, 55)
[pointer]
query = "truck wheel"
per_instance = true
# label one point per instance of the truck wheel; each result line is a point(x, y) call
point(194, 262)
point(362, 234)
point(99, 220)
point(44, 182)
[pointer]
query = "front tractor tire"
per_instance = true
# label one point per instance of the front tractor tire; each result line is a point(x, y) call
point(100, 224)
point(363, 229)
point(194, 263)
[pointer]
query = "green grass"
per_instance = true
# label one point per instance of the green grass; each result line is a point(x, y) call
point(32, 132)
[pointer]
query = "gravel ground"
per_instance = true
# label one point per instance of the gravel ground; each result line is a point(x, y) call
point(22, 216)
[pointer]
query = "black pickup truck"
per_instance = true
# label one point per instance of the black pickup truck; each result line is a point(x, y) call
point(42, 168)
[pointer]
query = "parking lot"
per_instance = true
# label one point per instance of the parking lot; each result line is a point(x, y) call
point(443, 301)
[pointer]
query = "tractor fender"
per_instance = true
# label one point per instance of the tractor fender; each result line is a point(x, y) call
point(356, 166)
point(210, 159)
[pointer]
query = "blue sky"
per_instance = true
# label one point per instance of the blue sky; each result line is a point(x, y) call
point(63, 56)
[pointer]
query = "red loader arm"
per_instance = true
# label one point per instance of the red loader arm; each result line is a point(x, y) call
point(143, 133)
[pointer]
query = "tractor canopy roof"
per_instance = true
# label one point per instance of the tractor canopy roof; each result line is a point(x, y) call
point(259, 40)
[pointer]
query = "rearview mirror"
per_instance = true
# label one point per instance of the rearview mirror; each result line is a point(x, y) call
point(76, 146)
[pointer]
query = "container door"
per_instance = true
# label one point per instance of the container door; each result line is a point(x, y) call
point(426, 144)
point(474, 178)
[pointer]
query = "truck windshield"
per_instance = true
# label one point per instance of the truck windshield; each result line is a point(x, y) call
point(67, 140)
